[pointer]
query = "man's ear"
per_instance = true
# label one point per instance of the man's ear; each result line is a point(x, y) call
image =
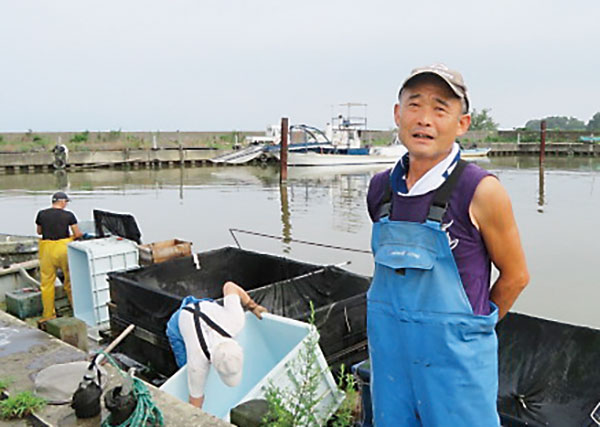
point(397, 114)
point(463, 124)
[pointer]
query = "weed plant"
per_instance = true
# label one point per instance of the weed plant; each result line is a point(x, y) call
point(296, 406)
point(20, 405)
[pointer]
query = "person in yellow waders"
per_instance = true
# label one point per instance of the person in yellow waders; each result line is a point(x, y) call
point(58, 227)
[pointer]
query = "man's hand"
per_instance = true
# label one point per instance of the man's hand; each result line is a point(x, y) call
point(256, 309)
point(259, 310)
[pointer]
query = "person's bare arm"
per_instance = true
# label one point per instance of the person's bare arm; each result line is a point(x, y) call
point(491, 212)
point(76, 231)
point(230, 288)
point(38, 229)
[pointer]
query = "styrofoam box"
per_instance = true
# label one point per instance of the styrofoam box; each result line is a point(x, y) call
point(271, 346)
point(89, 261)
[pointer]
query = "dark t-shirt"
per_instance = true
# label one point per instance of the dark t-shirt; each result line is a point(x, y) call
point(55, 223)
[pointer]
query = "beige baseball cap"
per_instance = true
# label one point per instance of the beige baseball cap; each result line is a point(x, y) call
point(452, 77)
point(228, 360)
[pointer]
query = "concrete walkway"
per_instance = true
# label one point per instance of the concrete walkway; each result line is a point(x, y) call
point(24, 351)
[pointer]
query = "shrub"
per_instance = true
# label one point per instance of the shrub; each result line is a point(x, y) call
point(80, 137)
point(296, 406)
point(20, 405)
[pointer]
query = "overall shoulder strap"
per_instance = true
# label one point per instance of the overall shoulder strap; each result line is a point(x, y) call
point(197, 315)
point(196, 312)
point(385, 207)
point(213, 325)
point(439, 205)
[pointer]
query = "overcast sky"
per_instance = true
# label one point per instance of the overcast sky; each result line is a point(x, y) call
point(242, 65)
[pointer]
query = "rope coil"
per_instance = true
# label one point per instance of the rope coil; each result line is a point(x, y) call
point(146, 413)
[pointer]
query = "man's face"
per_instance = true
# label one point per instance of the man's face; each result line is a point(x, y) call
point(429, 118)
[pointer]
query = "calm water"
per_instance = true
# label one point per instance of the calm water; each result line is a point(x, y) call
point(557, 213)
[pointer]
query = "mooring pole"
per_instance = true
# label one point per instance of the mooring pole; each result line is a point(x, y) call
point(283, 150)
point(542, 141)
point(180, 148)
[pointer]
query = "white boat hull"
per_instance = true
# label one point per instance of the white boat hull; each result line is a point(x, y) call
point(377, 155)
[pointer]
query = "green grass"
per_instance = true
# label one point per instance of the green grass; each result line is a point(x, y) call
point(20, 405)
point(4, 383)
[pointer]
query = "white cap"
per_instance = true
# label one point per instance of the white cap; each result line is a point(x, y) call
point(228, 360)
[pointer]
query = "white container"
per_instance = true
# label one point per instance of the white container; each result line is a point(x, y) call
point(89, 261)
point(271, 346)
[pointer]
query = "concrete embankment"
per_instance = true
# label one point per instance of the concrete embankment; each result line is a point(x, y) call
point(552, 149)
point(32, 162)
point(44, 161)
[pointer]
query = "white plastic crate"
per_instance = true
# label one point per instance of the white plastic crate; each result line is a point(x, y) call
point(270, 347)
point(89, 262)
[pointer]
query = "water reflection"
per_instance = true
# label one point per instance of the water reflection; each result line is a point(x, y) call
point(541, 189)
point(285, 218)
point(327, 206)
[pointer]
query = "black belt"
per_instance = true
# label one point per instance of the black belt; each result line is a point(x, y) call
point(197, 315)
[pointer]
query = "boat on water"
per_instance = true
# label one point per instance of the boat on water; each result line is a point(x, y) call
point(590, 139)
point(381, 155)
point(339, 145)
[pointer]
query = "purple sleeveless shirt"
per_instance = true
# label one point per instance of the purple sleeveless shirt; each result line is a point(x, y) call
point(470, 254)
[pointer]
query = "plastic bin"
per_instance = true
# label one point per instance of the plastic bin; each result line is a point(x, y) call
point(153, 253)
point(89, 262)
point(270, 347)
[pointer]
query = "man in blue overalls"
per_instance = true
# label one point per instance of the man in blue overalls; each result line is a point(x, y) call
point(439, 224)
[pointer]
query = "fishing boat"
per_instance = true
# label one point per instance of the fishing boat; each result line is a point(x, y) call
point(16, 248)
point(18, 262)
point(339, 145)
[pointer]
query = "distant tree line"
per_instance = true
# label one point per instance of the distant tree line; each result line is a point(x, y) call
point(482, 120)
point(566, 123)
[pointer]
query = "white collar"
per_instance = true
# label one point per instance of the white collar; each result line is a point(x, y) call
point(428, 182)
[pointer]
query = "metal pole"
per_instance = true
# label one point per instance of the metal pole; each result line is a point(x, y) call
point(542, 142)
point(283, 154)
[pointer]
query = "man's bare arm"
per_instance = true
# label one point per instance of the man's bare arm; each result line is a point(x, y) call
point(76, 231)
point(491, 212)
point(39, 229)
point(230, 288)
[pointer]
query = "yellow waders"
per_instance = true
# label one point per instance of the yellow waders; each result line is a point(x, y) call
point(53, 255)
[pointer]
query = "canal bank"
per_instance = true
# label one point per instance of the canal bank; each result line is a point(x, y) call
point(165, 157)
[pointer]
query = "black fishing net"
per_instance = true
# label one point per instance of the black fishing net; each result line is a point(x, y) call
point(110, 223)
point(548, 372)
point(148, 296)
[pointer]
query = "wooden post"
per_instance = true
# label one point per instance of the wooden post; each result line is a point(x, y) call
point(180, 148)
point(542, 141)
point(283, 150)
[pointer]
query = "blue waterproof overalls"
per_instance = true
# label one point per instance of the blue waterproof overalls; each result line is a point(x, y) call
point(433, 362)
point(173, 333)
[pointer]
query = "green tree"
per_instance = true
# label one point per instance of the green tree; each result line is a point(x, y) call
point(594, 123)
point(557, 123)
point(482, 120)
